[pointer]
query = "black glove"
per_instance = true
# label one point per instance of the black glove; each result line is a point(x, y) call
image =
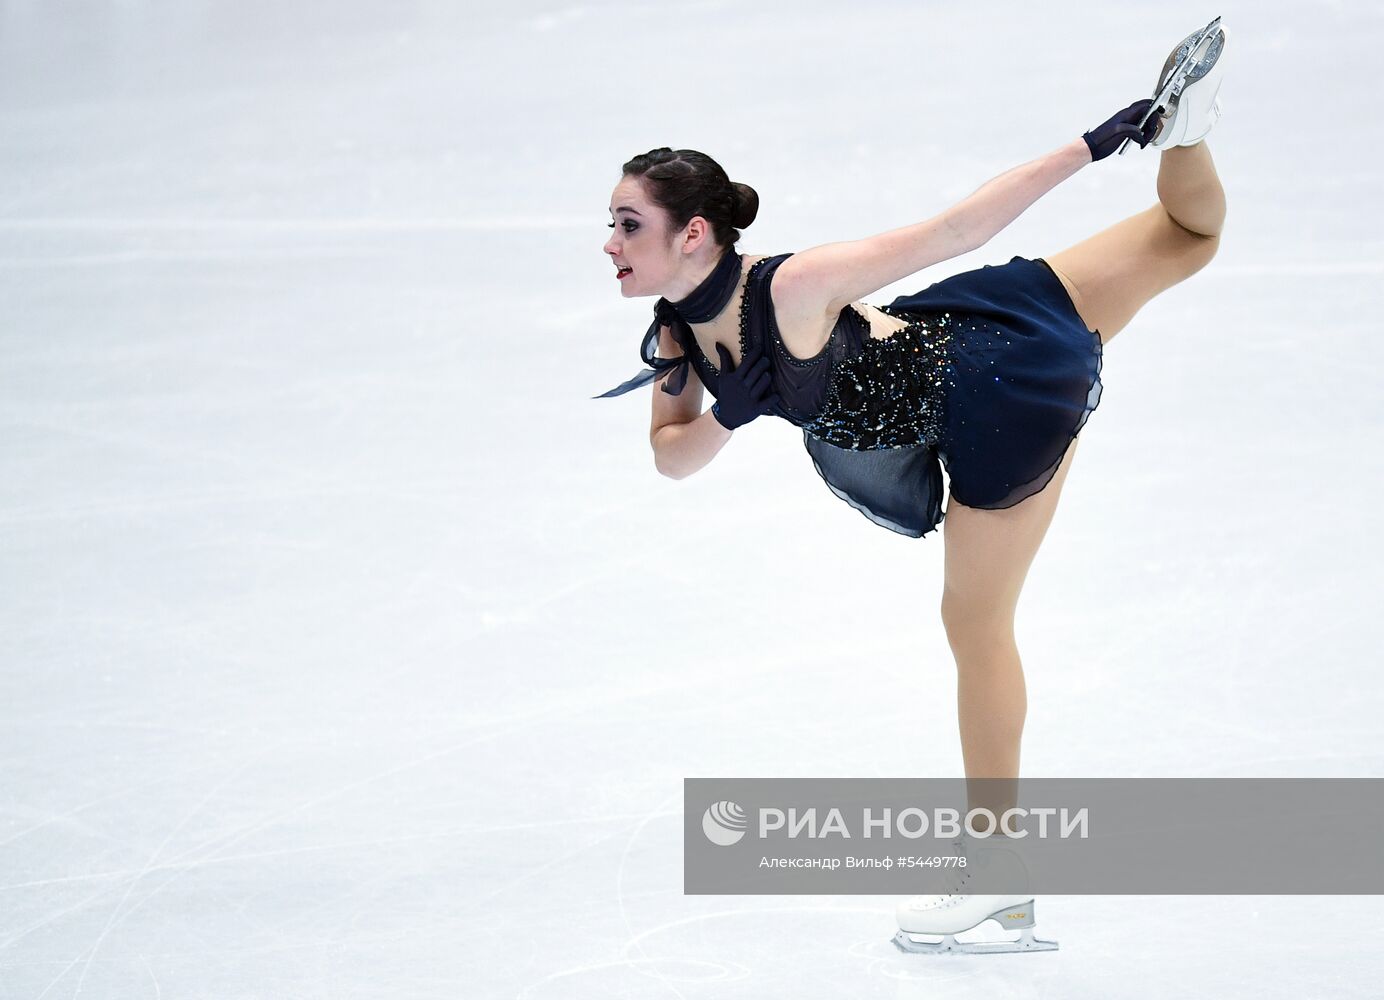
point(1105, 138)
point(742, 393)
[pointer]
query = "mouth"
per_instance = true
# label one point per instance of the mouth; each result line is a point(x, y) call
point(623, 272)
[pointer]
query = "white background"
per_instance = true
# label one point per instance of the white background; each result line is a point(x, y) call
point(351, 650)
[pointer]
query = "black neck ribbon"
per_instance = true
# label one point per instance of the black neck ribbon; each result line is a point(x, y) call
point(703, 305)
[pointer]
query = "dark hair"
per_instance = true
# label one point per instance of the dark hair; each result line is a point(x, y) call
point(685, 183)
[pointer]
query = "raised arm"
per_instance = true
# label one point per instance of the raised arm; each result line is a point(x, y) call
point(837, 274)
point(1002, 200)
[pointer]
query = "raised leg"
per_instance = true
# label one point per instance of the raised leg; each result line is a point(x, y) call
point(988, 554)
point(1111, 275)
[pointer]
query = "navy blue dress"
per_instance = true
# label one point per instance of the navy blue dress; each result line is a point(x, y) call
point(992, 378)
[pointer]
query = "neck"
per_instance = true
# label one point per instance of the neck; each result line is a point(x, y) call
point(704, 301)
point(698, 270)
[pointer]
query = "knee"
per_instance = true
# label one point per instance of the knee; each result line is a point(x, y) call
point(1205, 250)
point(1202, 223)
point(977, 629)
point(1193, 250)
point(1207, 233)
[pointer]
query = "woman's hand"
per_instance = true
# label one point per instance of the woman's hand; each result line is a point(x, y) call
point(1105, 138)
point(742, 393)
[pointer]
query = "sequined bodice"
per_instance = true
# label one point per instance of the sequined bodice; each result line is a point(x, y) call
point(857, 392)
point(892, 393)
point(801, 383)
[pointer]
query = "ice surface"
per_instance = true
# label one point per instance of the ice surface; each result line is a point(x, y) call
point(351, 650)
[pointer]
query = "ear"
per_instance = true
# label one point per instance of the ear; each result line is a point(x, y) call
point(697, 232)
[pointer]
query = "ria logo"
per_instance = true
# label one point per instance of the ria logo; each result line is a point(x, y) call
point(724, 823)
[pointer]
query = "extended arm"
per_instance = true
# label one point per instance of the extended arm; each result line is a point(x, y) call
point(1000, 201)
point(837, 274)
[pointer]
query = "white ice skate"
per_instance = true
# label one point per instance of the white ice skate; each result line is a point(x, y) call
point(1187, 89)
point(943, 917)
point(1193, 110)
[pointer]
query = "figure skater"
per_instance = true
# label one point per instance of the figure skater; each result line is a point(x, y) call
point(991, 373)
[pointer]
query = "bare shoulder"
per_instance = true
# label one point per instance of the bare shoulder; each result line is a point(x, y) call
point(806, 313)
point(796, 297)
point(796, 289)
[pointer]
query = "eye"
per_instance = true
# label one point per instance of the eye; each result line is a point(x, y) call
point(628, 224)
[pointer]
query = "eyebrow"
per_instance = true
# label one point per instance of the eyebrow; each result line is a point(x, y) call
point(626, 208)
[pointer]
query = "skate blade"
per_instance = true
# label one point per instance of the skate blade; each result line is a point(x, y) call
point(949, 945)
point(1176, 78)
point(1194, 72)
point(1186, 67)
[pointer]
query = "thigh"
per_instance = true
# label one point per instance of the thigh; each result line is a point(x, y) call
point(1113, 273)
point(988, 552)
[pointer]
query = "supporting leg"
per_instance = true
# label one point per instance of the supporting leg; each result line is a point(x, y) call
point(988, 554)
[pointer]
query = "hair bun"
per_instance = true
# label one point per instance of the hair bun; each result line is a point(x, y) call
point(746, 205)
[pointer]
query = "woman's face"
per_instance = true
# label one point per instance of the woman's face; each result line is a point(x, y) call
point(640, 241)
